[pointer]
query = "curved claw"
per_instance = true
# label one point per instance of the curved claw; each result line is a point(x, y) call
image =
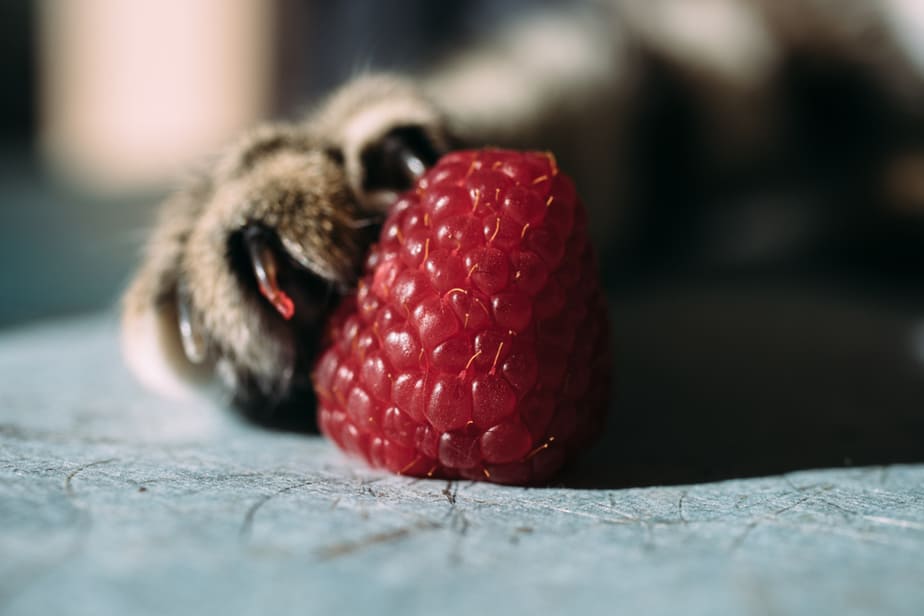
point(266, 269)
point(398, 159)
point(194, 344)
point(412, 164)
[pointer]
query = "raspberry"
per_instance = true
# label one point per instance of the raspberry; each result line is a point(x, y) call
point(476, 344)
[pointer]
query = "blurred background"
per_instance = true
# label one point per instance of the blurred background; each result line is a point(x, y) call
point(107, 104)
point(768, 313)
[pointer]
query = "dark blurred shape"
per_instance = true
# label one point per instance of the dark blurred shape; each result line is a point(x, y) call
point(814, 201)
point(714, 381)
point(17, 72)
point(339, 40)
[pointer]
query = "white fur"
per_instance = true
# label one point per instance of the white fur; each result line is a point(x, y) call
point(906, 18)
point(548, 60)
point(151, 351)
point(369, 125)
point(726, 38)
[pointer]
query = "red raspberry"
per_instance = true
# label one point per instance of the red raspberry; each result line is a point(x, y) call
point(476, 345)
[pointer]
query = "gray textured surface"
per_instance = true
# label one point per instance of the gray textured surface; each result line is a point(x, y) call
point(114, 502)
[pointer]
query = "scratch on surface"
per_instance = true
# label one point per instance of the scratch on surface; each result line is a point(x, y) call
point(792, 505)
point(683, 496)
point(771, 517)
point(82, 524)
point(484, 503)
point(821, 487)
point(814, 491)
point(646, 522)
point(450, 493)
point(247, 522)
point(627, 519)
point(19, 433)
point(458, 522)
point(848, 514)
point(887, 521)
point(520, 531)
point(737, 541)
point(623, 514)
point(884, 474)
point(345, 548)
point(68, 485)
point(846, 533)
